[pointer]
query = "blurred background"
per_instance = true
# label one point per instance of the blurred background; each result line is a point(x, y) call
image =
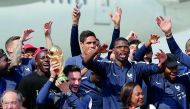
point(138, 15)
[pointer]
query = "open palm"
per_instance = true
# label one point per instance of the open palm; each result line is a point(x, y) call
point(154, 38)
point(116, 18)
point(165, 25)
point(26, 34)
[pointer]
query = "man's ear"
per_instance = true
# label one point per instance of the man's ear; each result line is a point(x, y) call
point(9, 49)
point(81, 44)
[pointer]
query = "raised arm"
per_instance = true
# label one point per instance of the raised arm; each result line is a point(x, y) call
point(147, 69)
point(132, 36)
point(74, 42)
point(174, 48)
point(16, 60)
point(94, 65)
point(47, 32)
point(166, 26)
point(116, 19)
point(153, 39)
point(93, 53)
point(42, 97)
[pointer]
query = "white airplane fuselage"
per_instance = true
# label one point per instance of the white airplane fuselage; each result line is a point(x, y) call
point(137, 15)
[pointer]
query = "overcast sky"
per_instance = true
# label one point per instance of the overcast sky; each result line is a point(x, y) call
point(138, 15)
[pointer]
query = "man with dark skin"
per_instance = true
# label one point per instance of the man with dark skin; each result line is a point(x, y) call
point(90, 82)
point(119, 72)
point(9, 78)
point(168, 90)
point(4, 63)
point(31, 84)
point(166, 27)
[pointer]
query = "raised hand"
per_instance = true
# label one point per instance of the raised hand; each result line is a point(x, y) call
point(26, 34)
point(16, 58)
point(116, 18)
point(47, 28)
point(153, 39)
point(53, 67)
point(76, 15)
point(132, 36)
point(165, 25)
point(103, 48)
point(63, 86)
point(161, 56)
point(99, 49)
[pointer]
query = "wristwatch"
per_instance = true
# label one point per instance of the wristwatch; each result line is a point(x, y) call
point(68, 93)
point(168, 35)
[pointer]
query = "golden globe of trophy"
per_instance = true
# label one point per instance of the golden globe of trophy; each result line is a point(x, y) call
point(56, 56)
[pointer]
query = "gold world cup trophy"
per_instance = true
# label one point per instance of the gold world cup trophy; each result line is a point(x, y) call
point(56, 55)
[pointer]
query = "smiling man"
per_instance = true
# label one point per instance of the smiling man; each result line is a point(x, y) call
point(169, 90)
point(71, 97)
point(31, 84)
point(119, 72)
point(89, 80)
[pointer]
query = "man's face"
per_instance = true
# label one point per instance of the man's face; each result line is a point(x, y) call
point(4, 63)
point(133, 48)
point(74, 81)
point(121, 50)
point(11, 47)
point(42, 61)
point(10, 101)
point(137, 97)
point(171, 72)
point(89, 44)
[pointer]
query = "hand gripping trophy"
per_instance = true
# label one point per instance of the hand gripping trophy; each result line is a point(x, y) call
point(56, 55)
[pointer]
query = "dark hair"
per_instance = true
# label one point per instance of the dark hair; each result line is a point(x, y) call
point(11, 39)
point(135, 41)
point(70, 68)
point(171, 60)
point(121, 39)
point(86, 34)
point(126, 94)
point(98, 42)
point(20, 98)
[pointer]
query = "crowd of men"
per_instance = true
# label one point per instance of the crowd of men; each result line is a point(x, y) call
point(29, 78)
